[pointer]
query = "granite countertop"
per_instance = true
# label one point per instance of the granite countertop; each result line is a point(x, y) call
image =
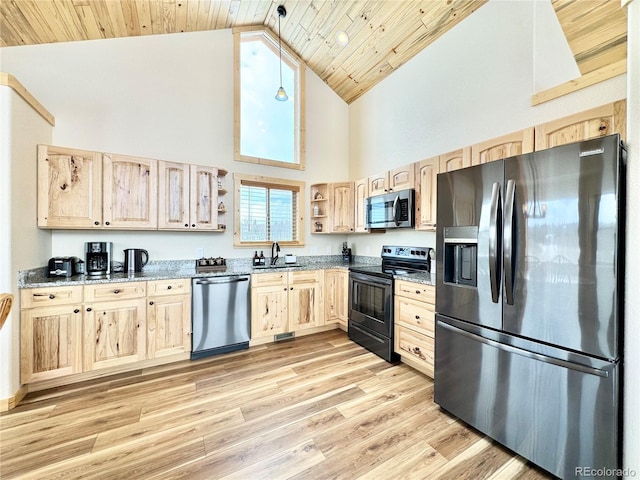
point(425, 278)
point(173, 269)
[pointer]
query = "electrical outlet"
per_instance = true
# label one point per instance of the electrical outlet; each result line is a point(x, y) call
point(200, 252)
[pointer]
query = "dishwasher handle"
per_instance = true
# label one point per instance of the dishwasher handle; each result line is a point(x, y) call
point(228, 280)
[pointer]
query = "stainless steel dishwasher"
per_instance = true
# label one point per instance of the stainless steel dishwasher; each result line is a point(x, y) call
point(220, 314)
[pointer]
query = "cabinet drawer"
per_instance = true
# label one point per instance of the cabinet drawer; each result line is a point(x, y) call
point(418, 347)
point(168, 287)
point(424, 293)
point(50, 296)
point(306, 276)
point(114, 291)
point(417, 315)
point(266, 279)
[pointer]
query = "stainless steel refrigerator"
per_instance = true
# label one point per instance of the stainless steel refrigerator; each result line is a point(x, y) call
point(529, 307)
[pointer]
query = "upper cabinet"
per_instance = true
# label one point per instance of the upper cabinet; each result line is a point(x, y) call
point(455, 160)
point(597, 122)
point(88, 190)
point(400, 178)
point(361, 191)
point(69, 188)
point(130, 192)
point(332, 209)
point(426, 174)
point(505, 146)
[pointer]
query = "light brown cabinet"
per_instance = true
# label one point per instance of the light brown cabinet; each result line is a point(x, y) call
point(336, 296)
point(168, 317)
point(69, 188)
point(286, 302)
point(415, 324)
point(130, 192)
point(173, 196)
point(50, 333)
point(505, 146)
point(455, 160)
point(332, 209)
point(593, 123)
point(361, 190)
point(426, 193)
point(114, 327)
point(400, 178)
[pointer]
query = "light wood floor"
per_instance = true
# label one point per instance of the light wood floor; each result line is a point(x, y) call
point(311, 408)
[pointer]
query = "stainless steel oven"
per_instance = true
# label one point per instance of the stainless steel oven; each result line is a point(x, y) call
point(371, 297)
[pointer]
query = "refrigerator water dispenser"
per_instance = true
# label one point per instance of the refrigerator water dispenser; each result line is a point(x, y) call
point(461, 255)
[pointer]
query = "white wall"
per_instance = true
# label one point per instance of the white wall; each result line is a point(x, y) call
point(169, 97)
point(473, 84)
point(22, 245)
point(632, 313)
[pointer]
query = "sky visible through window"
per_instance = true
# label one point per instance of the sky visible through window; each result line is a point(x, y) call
point(267, 125)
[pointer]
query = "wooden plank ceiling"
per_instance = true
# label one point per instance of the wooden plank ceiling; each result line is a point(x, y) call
point(383, 34)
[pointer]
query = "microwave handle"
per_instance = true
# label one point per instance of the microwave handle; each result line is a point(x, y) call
point(396, 212)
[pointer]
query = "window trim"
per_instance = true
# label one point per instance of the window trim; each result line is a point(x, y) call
point(295, 62)
point(270, 182)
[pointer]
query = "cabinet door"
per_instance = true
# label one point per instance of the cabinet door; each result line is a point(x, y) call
point(426, 193)
point(114, 333)
point(269, 311)
point(401, 178)
point(361, 189)
point(342, 296)
point(505, 146)
point(69, 188)
point(50, 342)
point(305, 306)
point(130, 188)
point(331, 296)
point(455, 160)
point(597, 122)
point(173, 196)
point(168, 325)
point(378, 184)
point(204, 198)
point(341, 205)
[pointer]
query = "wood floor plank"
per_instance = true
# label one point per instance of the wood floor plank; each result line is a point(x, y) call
point(314, 407)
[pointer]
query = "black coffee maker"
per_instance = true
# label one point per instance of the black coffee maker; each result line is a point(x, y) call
point(346, 253)
point(98, 258)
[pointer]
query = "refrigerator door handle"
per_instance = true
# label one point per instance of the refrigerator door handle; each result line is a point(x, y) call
point(509, 235)
point(527, 354)
point(494, 246)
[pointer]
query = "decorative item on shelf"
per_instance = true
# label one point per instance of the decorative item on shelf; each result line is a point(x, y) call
point(316, 210)
point(281, 96)
point(318, 196)
point(221, 206)
point(219, 183)
point(318, 226)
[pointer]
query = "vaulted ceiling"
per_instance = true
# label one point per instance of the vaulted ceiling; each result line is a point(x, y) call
point(384, 34)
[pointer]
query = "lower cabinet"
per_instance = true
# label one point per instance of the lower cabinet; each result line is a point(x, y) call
point(70, 330)
point(336, 296)
point(168, 317)
point(415, 324)
point(286, 302)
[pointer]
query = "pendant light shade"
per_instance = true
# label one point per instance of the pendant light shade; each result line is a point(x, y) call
point(281, 96)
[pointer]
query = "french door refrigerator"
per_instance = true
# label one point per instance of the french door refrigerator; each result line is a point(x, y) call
point(529, 285)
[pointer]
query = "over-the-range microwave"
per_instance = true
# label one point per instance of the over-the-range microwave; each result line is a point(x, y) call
point(391, 210)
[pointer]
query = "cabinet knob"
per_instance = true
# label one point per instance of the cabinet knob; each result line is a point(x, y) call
point(291, 288)
point(96, 223)
point(285, 289)
point(193, 225)
point(76, 311)
point(88, 309)
point(116, 291)
point(107, 223)
point(186, 225)
point(417, 292)
point(150, 303)
point(417, 317)
point(169, 287)
point(51, 296)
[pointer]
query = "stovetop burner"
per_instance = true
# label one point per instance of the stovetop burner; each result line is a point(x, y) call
point(398, 260)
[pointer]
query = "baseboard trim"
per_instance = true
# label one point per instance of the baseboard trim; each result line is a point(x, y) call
point(10, 403)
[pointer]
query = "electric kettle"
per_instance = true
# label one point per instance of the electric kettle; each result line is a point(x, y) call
point(135, 259)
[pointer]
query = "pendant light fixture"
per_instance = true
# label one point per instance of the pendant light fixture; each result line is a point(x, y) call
point(281, 96)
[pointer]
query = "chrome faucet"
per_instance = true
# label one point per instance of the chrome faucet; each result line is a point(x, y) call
point(275, 247)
